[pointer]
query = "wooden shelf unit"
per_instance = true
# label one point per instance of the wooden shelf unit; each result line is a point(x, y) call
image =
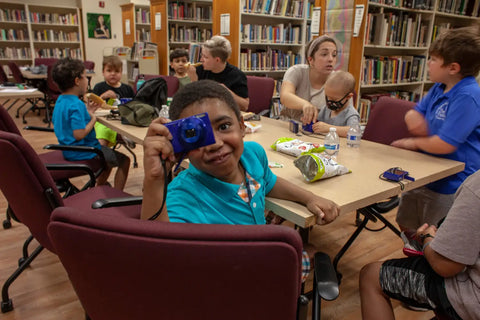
point(139, 23)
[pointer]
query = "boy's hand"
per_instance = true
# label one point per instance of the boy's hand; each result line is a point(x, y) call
point(406, 143)
point(321, 127)
point(325, 210)
point(157, 145)
point(92, 107)
point(110, 94)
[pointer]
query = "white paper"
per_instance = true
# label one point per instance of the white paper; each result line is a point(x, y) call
point(359, 10)
point(127, 26)
point(225, 24)
point(158, 21)
point(315, 27)
point(16, 90)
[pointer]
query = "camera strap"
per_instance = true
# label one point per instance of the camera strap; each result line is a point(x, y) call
point(168, 178)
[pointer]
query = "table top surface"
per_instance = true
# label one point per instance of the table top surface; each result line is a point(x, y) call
point(14, 92)
point(351, 191)
point(28, 74)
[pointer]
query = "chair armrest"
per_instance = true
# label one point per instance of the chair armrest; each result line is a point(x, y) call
point(38, 128)
point(117, 202)
point(325, 277)
point(75, 148)
point(386, 206)
point(70, 167)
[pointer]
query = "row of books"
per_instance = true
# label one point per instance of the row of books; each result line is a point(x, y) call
point(179, 33)
point(143, 35)
point(439, 28)
point(409, 4)
point(55, 18)
point(15, 53)
point(396, 29)
point(13, 34)
point(59, 53)
point(53, 35)
point(280, 33)
point(137, 48)
point(194, 50)
point(268, 60)
point(189, 11)
point(14, 15)
point(392, 69)
point(289, 8)
point(461, 7)
point(276, 110)
point(142, 16)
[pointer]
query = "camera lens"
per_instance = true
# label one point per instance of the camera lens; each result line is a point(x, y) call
point(190, 133)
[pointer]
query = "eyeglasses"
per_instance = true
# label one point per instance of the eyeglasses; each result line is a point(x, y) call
point(335, 105)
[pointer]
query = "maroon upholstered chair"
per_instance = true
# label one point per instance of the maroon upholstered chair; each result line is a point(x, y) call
point(159, 270)
point(385, 125)
point(45, 61)
point(172, 82)
point(25, 176)
point(260, 92)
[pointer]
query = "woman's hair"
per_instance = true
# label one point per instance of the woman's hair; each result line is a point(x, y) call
point(198, 91)
point(219, 47)
point(342, 79)
point(114, 62)
point(314, 44)
point(65, 71)
point(460, 45)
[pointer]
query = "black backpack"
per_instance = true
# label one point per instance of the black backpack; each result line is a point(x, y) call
point(153, 92)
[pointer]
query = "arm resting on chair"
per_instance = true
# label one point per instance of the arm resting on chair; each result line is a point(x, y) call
point(117, 202)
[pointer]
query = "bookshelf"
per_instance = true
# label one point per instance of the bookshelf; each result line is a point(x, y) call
point(30, 31)
point(393, 41)
point(136, 23)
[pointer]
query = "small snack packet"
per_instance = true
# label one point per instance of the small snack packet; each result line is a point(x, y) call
point(316, 166)
point(295, 147)
point(251, 127)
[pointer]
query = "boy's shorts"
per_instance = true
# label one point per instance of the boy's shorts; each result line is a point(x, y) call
point(413, 281)
point(105, 133)
point(421, 206)
point(112, 157)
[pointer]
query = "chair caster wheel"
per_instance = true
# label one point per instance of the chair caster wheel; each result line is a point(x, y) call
point(21, 261)
point(17, 116)
point(135, 165)
point(7, 224)
point(339, 277)
point(24, 121)
point(7, 306)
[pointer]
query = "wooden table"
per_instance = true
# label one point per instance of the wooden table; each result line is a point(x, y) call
point(15, 93)
point(352, 191)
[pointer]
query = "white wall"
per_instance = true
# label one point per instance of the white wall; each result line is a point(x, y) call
point(94, 47)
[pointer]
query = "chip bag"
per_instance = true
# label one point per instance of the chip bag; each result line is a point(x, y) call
point(295, 147)
point(315, 166)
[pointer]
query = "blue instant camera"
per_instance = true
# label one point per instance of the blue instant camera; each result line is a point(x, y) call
point(191, 133)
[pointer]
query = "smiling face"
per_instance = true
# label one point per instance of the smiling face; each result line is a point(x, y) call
point(221, 159)
point(325, 58)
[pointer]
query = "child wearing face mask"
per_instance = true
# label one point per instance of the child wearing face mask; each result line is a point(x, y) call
point(339, 112)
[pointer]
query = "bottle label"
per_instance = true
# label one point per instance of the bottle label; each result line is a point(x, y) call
point(332, 147)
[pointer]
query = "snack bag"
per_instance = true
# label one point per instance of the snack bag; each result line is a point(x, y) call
point(295, 147)
point(251, 127)
point(316, 166)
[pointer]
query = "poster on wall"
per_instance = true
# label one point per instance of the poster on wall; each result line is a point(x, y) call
point(98, 25)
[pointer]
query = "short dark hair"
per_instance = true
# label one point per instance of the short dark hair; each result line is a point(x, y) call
point(178, 53)
point(198, 91)
point(65, 71)
point(460, 45)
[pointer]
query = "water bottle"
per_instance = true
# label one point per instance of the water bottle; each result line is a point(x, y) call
point(164, 111)
point(354, 135)
point(332, 143)
point(140, 81)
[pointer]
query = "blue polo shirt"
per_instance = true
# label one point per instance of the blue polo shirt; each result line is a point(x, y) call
point(455, 118)
point(196, 197)
point(70, 113)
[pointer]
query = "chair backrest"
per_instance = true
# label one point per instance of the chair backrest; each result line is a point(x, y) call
point(386, 122)
point(3, 75)
point(136, 269)
point(24, 176)
point(16, 73)
point(52, 87)
point(172, 82)
point(260, 92)
point(6, 122)
point(89, 65)
point(45, 61)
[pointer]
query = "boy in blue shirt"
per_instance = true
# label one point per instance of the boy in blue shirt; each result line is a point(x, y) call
point(446, 123)
point(74, 122)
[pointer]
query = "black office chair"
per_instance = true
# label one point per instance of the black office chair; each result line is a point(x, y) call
point(385, 125)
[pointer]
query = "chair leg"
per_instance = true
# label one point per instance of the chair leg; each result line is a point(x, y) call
point(387, 223)
point(33, 107)
point(7, 223)
point(7, 304)
point(25, 250)
point(17, 115)
point(135, 163)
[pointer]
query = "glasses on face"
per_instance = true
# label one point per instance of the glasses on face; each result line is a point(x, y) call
point(335, 105)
